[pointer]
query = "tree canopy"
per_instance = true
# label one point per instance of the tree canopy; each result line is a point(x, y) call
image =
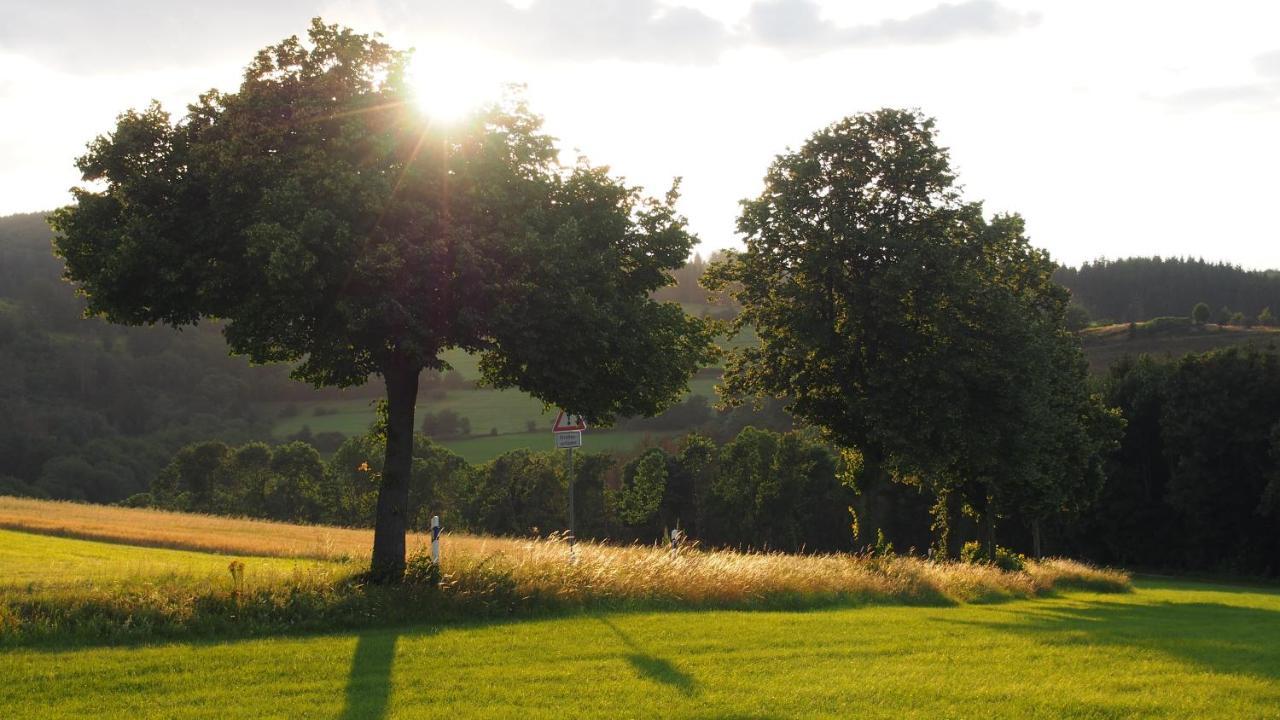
point(332, 226)
point(896, 317)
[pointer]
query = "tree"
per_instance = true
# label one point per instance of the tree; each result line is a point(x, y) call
point(1077, 317)
point(644, 482)
point(332, 227)
point(844, 271)
point(1266, 318)
point(1200, 313)
point(900, 320)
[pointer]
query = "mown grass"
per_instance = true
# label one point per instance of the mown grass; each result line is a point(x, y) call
point(478, 577)
point(1168, 650)
point(39, 562)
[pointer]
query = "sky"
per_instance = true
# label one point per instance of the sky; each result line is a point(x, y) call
point(1115, 128)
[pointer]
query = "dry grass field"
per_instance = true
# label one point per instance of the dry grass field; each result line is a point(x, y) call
point(539, 568)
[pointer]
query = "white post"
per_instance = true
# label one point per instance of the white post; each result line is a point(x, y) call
point(435, 539)
point(573, 537)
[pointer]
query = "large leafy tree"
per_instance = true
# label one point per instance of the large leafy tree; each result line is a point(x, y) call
point(331, 226)
point(893, 315)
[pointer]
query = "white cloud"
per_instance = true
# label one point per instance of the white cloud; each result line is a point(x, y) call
point(89, 35)
point(797, 25)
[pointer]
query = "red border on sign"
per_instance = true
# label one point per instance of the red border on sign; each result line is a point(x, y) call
point(566, 428)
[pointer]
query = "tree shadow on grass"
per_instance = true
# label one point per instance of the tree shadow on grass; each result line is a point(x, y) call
point(653, 667)
point(1220, 638)
point(369, 682)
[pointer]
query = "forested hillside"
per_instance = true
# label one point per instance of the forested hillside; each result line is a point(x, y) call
point(92, 410)
point(1136, 289)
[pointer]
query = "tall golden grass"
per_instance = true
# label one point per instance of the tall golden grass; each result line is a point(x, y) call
point(539, 570)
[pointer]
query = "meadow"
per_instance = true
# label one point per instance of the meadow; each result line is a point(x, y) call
point(1175, 650)
point(127, 574)
point(145, 620)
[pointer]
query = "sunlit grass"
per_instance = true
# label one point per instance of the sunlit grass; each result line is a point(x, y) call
point(1167, 650)
point(89, 589)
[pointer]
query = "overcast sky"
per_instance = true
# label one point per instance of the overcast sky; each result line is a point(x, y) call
point(1115, 128)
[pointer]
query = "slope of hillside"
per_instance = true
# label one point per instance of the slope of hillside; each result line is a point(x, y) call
point(1166, 338)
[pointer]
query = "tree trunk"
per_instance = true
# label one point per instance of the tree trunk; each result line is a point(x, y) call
point(393, 494)
point(1035, 537)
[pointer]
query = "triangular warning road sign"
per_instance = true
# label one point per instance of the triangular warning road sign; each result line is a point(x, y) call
point(568, 421)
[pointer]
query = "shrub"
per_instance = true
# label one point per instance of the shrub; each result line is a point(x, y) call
point(974, 553)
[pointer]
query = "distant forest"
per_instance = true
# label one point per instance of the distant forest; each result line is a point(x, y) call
point(92, 411)
point(1110, 291)
point(1137, 289)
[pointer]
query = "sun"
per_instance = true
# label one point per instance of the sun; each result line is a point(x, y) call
point(452, 81)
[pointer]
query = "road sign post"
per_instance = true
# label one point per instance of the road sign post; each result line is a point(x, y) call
point(568, 431)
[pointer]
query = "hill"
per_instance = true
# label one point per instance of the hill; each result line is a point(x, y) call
point(1166, 338)
point(95, 410)
point(1143, 288)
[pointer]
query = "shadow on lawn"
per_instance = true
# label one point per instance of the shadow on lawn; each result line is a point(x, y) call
point(1220, 638)
point(653, 667)
point(369, 682)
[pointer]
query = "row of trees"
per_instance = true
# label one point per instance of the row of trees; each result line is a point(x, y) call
point(922, 337)
point(1201, 314)
point(1195, 483)
point(1137, 289)
point(761, 489)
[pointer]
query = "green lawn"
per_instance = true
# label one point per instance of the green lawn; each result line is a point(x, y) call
point(507, 410)
point(29, 562)
point(1167, 650)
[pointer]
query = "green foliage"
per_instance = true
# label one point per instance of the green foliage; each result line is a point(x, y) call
point(324, 221)
point(519, 493)
point(1188, 486)
point(1005, 559)
point(902, 322)
point(1077, 317)
point(445, 424)
point(1200, 313)
point(1141, 288)
point(644, 481)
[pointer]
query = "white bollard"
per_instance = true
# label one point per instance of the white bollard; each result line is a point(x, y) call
point(435, 539)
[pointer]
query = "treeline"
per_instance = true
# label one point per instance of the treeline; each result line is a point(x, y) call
point(760, 489)
point(1142, 288)
point(1195, 484)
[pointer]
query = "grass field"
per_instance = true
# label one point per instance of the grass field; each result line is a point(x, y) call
point(32, 561)
point(1103, 346)
point(91, 591)
point(1167, 650)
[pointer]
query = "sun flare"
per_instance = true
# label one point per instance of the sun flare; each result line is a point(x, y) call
point(451, 81)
